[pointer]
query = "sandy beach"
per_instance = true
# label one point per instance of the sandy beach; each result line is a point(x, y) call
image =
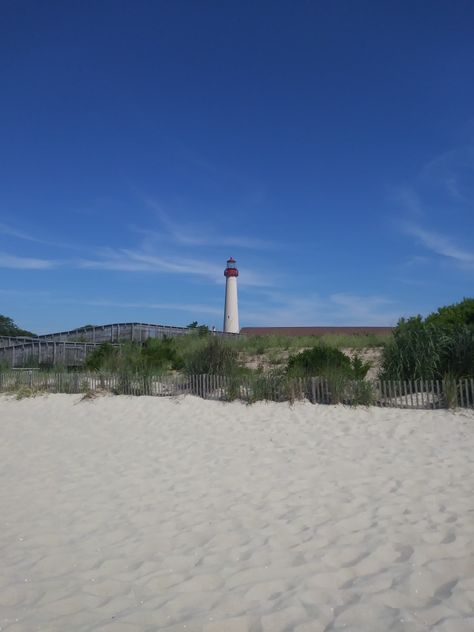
point(129, 514)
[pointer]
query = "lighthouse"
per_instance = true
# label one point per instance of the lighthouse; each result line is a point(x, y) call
point(231, 310)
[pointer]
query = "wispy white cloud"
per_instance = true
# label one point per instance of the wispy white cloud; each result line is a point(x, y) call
point(451, 172)
point(440, 244)
point(408, 271)
point(188, 234)
point(415, 261)
point(365, 309)
point(409, 200)
point(447, 180)
point(129, 260)
point(192, 308)
point(140, 261)
point(28, 293)
point(136, 261)
point(10, 231)
point(26, 263)
point(444, 188)
point(335, 309)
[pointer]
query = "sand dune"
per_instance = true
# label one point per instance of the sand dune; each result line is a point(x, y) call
point(145, 514)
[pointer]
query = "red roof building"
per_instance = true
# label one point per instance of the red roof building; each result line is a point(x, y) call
point(314, 331)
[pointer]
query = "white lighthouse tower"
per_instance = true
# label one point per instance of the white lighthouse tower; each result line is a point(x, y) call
point(231, 310)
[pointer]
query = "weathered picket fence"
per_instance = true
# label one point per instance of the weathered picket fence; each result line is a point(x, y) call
point(423, 394)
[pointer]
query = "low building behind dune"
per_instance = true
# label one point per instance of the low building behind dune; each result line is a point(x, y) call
point(315, 331)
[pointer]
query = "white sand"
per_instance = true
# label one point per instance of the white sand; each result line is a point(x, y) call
point(141, 514)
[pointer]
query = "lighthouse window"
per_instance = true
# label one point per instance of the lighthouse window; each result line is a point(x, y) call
point(231, 265)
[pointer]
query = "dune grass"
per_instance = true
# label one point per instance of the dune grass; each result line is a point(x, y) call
point(258, 345)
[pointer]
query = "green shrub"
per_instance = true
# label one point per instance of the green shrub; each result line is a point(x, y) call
point(413, 353)
point(214, 358)
point(318, 361)
point(459, 352)
point(337, 384)
point(361, 393)
point(160, 354)
point(233, 390)
point(429, 349)
point(154, 356)
point(359, 368)
point(454, 315)
point(104, 357)
point(322, 360)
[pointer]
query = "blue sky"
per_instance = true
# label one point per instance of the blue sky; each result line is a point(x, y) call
point(327, 146)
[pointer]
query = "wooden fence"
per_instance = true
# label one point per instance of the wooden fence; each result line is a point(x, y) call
point(421, 394)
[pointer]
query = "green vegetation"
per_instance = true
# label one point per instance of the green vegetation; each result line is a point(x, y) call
point(258, 345)
point(202, 330)
point(453, 316)
point(153, 356)
point(214, 358)
point(8, 328)
point(326, 361)
point(344, 376)
point(279, 368)
point(440, 345)
point(27, 391)
point(105, 357)
point(200, 353)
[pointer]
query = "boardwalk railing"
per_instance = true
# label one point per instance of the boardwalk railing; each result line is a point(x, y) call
point(113, 333)
point(71, 348)
point(32, 351)
point(422, 394)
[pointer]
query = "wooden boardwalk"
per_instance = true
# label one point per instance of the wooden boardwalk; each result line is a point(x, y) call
point(71, 348)
point(35, 352)
point(117, 332)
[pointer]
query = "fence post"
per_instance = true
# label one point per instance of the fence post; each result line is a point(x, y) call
point(389, 387)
